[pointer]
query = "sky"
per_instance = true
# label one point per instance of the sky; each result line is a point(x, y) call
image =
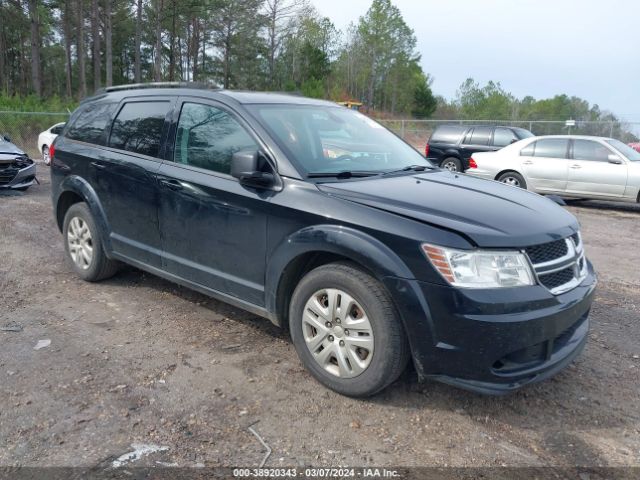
point(586, 48)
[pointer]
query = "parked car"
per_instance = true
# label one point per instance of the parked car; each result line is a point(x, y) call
point(635, 146)
point(570, 166)
point(368, 259)
point(17, 170)
point(46, 138)
point(451, 146)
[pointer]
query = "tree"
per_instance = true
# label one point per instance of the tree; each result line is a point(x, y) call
point(424, 101)
point(36, 68)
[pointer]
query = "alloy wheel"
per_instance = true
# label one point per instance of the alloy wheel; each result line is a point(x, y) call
point(337, 332)
point(80, 243)
point(451, 166)
point(513, 181)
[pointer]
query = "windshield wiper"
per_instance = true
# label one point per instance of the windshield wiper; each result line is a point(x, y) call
point(410, 168)
point(343, 174)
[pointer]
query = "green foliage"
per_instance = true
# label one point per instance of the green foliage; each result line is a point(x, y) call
point(425, 102)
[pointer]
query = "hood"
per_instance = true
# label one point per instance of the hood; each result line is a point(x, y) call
point(9, 148)
point(488, 213)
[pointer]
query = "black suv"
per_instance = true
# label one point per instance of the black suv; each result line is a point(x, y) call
point(321, 220)
point(451, 146)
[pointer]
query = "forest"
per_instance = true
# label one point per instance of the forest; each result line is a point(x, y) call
point(53, 53)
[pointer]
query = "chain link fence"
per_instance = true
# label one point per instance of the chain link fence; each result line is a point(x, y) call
point(23, 128)
point(417, 132)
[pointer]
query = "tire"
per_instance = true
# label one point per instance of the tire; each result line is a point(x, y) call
point(452, 164)
point(514, 179)
point(364, 370)
point(45, 156)
point(96, 266)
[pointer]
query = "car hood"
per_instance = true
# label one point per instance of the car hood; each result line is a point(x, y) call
point(9, 148)
point(488, 213)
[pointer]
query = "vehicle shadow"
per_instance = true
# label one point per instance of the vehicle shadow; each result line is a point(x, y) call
point(602, 205)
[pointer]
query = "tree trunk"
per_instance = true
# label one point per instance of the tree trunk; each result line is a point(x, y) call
point(138, 75)
point(66, 30)
point(36, 71)
point(95, 34)
point(157, 71)
point(196, 47)
point(82, 76)
point(172, 43)
point(108, 43)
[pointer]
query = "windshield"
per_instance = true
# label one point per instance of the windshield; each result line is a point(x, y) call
point(626, 150)
point(328, 139)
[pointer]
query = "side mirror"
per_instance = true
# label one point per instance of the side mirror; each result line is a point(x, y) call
point(245, 166)
point(7, 138)
point(615, 159)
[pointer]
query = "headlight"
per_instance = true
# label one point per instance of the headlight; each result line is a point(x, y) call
point(480, 268)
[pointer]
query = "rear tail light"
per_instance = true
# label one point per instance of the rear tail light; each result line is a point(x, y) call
point(52, 150)
point(426, 150)
point(472, 163)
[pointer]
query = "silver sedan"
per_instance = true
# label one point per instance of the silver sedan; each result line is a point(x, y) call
point(566, 165)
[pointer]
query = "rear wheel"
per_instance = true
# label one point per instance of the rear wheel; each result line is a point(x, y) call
point(83, 246)
point(346, 330)
point(514, 179)
point(45, 155)
point(452, 164)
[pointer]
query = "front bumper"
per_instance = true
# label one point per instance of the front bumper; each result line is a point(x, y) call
point(19, 174)
point(493, 341)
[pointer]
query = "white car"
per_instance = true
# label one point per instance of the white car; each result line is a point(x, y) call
point(566, 165)
point(46, 138)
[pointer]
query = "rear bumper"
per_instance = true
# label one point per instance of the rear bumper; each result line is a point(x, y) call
point(11, 178)
point(493, 341)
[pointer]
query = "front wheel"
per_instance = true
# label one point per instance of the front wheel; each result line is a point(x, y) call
point(346, 330)
point(514, 179)
point(45, 155)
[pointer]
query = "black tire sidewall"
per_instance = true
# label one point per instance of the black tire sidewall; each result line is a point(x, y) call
point(385, 323)
point(82, 211)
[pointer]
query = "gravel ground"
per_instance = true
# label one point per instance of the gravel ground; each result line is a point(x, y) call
point(138, 360)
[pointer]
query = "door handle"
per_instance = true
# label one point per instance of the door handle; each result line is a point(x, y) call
point(575, 167)
point(171, 184)
point(527, 162)
point(98, 165)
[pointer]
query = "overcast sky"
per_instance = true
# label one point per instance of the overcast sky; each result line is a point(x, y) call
point(587, 48)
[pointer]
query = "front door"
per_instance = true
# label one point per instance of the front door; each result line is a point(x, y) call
point(213, 228)
point(591, 173)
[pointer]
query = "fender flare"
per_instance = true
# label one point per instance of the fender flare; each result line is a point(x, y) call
point(363, 249)
point(82, 188)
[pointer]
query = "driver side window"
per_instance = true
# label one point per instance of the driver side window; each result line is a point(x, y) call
point(208, 137)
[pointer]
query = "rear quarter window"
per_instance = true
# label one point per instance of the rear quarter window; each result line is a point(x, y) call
point(91, 123)
point(447, 134)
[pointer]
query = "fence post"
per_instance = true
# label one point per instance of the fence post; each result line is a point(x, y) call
point(611, 129)
point(402, 129)
point(531, 126)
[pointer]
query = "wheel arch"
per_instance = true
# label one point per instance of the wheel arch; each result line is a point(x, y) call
point(73, 190)
point(314, 246)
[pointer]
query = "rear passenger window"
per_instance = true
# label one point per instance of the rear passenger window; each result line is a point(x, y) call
point(503, 137)
point(138, 127)
point(480, 136)
point(208, 137)
point(528, 150)
point(91, 124)
point(447, 134)
point(551, 148)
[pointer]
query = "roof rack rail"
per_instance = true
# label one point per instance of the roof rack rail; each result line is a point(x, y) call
point(137, 86)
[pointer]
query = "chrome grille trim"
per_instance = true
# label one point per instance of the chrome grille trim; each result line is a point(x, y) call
point(574, 258)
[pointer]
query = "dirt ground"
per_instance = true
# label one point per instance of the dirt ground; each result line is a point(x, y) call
point(138, 360)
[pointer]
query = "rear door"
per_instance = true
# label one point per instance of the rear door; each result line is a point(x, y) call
point(477, 139)
point(545, 164)
point(124, 176)
point(591, 173)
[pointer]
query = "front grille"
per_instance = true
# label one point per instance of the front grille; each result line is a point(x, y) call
point(560, 264)
point(547, 251)
point(557, 279)
point(8, 171)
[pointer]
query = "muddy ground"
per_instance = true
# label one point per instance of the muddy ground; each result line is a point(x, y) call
point(138, 360)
